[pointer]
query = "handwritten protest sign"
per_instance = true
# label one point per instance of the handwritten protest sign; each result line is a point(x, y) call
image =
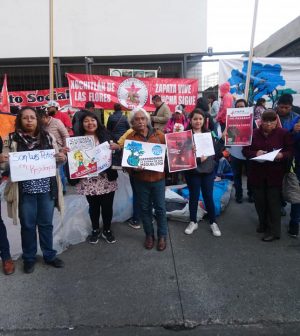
point(239, 125)
point(32, 165)
point(149, 156)
point(81, 158)
point(103, 157)
point(180, 151)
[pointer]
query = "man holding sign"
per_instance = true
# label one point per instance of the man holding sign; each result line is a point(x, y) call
point(150, 185)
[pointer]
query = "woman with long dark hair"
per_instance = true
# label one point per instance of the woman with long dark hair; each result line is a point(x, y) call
point(99, 190)
point(34, 200)
point(202, 178)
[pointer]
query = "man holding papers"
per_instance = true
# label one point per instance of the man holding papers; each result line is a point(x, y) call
point(265, 176)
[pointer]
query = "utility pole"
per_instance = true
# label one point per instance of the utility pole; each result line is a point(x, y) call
point(51, 65)
point(246, 92)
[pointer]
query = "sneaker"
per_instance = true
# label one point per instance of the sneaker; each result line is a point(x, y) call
point(133, 223)
point(94, 237)
point(292, 234)
point(108, 236)
point(56, 262)
point(215, 230)
point(191, 228)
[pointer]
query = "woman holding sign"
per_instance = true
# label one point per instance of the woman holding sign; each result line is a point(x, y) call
point(265, 177)
point(99, 190)
point(202, 178)
point(33, 200)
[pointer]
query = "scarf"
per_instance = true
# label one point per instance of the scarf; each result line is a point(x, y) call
point(28, 142)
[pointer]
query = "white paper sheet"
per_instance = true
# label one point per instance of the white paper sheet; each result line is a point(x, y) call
point(204, 144)
point(267, 157)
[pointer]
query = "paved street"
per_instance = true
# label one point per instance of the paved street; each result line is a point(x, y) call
point(201, 285)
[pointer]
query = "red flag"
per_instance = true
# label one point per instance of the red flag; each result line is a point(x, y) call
point(4, 98)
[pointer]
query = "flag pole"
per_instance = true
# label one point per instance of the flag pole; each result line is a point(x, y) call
point(51, 70)
point(246, 92)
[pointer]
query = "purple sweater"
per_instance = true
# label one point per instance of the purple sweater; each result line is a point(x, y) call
point(269, 172)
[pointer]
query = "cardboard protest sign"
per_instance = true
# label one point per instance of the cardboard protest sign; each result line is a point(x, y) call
point(150, 156)
point(239, 124)
point(81, 158)
point(32, 165)
point(180, 151)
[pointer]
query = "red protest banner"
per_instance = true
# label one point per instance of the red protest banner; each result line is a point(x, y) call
point(38, 97)
point(4, 101)
point(105, 91)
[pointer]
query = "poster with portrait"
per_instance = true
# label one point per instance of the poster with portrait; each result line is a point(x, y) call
point(180, 151)
point(81, 158)
point(239, 125)
point(145, 155)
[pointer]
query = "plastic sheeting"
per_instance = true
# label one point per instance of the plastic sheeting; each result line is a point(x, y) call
point(75, 225)
point(183, 214)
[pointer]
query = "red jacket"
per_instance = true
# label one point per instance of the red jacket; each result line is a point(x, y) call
point(269, 172)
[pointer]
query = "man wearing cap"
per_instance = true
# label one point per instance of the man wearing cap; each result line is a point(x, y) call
point(162, 113)
point(52, 109)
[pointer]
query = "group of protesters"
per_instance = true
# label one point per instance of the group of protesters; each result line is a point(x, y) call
point(32, 202)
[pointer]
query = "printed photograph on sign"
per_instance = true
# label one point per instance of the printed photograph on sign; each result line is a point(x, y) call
point(180, 151)
point(239, 125)
point(150, 74)
point(138, 73)
point(146, 155)
point(127, 73)
point(81, 158)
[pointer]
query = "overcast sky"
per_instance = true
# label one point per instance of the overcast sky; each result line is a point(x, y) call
point(229, 23)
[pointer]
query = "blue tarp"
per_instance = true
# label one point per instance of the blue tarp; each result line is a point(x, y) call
point(220, 188)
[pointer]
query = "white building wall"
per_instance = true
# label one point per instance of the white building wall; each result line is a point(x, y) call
point(102, 27)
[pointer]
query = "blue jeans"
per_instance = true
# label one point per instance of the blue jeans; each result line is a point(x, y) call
point(63, 177)
point(237, 169)
point(205, 182)
point(152, 195)
point(223, 167)
point(135, 204)
point(4, 244)
point(36, 211)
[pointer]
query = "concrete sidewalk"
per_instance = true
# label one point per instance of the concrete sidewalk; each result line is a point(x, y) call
point(233, 285)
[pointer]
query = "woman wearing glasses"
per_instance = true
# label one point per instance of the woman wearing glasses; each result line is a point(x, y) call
point(266, 177)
